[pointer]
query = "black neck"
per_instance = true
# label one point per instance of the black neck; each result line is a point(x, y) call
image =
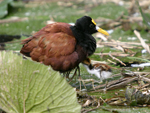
point(87, 41)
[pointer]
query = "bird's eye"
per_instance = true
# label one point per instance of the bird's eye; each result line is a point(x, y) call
point(92, 26)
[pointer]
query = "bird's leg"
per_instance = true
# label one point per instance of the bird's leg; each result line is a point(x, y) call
point(106, 85)
point(73, 75)
point(80, 79)
point(100, 78)
point(93, 84)
point(77, 69)
point(89, 80)
point(66, 74)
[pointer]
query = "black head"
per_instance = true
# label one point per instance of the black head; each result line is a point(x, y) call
point(87, 25)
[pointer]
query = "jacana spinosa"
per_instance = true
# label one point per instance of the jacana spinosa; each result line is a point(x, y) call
point(101, 70)
point(61, 45)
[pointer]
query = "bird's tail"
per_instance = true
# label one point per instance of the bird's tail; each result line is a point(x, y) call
point(28, 45)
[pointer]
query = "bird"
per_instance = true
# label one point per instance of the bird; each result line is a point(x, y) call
point(101, 70)
point(61, 45)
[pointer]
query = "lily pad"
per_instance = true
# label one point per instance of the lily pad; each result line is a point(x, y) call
point(27, 86)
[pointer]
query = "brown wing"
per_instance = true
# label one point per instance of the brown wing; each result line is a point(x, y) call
point(53, 45)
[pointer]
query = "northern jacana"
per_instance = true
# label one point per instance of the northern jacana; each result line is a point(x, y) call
point(101, 70)
point(61, 45)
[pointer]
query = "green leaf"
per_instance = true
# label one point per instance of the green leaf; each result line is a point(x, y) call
point(27, 86)
point(4, 7)
point(146, 17)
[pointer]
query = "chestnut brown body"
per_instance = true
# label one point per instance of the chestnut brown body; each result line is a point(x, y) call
point(54, 45)
point(61, 45)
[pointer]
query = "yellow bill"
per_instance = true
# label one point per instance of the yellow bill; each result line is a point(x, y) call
point(101, 31)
